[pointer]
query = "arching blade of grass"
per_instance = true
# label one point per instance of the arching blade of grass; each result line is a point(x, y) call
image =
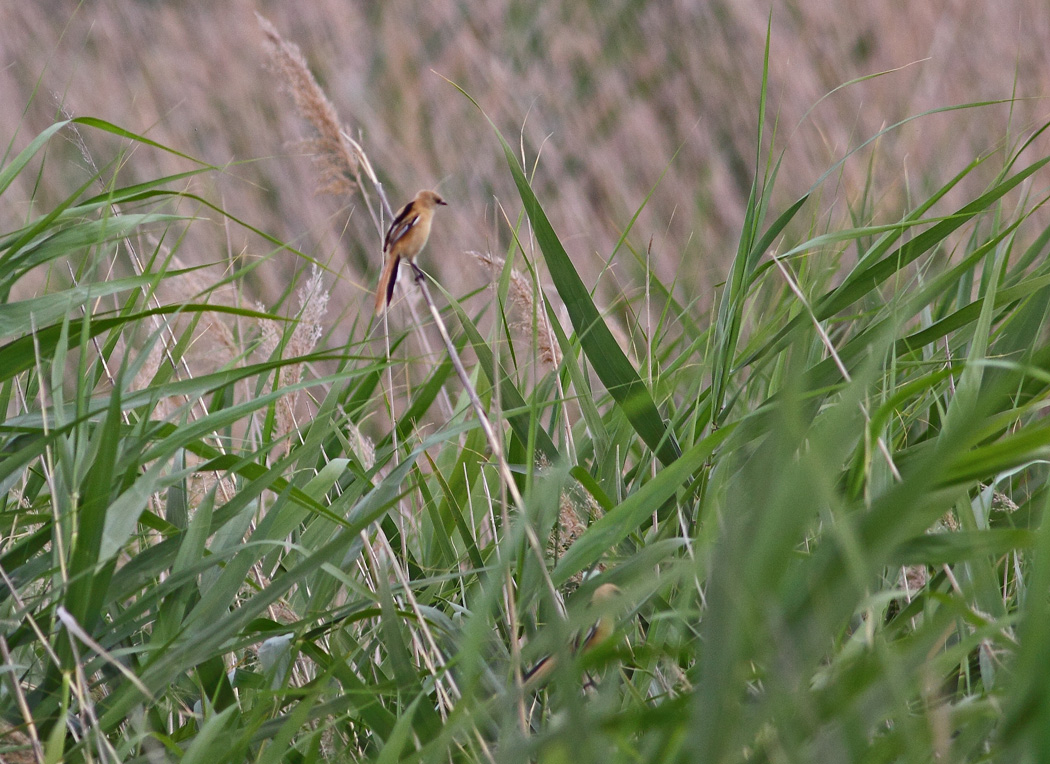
point(949, 548)
point(731, 307)
point(750, 249)
point(604, 353)
point(12, 170)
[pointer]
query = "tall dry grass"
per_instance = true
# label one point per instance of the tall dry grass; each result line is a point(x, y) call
point(605, 95)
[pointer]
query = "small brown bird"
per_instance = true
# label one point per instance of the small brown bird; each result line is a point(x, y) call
point(408, 235)
point(597, 634)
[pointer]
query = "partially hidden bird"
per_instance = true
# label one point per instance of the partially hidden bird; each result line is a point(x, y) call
point(598, 633)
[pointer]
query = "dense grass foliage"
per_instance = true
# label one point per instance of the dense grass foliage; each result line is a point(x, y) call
point(822, 505)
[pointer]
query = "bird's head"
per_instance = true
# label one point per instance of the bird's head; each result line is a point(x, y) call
point(430, 199)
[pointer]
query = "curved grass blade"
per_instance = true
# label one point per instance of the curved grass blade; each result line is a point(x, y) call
point(609, 362)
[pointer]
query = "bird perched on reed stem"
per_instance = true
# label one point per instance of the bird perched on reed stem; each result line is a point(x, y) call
point(597, 634)
point(405, 239)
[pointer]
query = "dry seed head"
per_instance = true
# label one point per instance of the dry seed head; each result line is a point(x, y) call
point(913, 578)
point(1003, 503)
point(270, 333)
point(361, 445)
point(313, 304)
point(522, 296)
point(335, 159)
point(573, 505)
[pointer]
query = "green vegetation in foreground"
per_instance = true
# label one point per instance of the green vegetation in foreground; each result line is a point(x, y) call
point(823, 507)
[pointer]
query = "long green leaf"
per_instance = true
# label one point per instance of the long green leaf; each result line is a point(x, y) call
point(608, 360)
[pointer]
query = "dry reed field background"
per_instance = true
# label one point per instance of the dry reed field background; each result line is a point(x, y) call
point(615, 99)
point(718, 433)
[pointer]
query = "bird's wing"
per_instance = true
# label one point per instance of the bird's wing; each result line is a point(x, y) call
point(406, 218)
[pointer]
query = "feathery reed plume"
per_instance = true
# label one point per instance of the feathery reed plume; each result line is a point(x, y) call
point(361, 445)
point(313, 305)
point(523, 296)
point(334, 156)
point(574, 505)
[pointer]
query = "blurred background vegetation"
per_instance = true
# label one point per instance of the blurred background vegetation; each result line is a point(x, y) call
point(616, 99)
